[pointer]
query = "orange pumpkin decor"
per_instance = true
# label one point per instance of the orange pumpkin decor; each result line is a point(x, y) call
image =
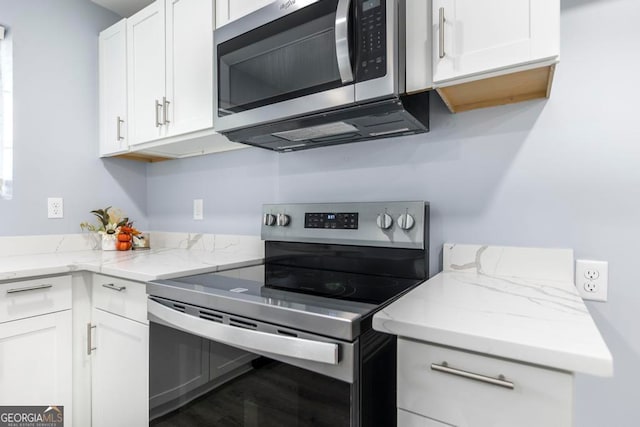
point(125, 238)
point(123, 246)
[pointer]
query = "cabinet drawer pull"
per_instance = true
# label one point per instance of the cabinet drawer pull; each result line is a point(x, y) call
point(31, 288)
point(114, 287)
point(441, 52)
point(500, 381)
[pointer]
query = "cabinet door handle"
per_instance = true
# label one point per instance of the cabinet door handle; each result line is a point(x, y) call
point(90, 347)
point(114, 287)
point(30, 288)
point(441, 51)
point(119, 121)
point(165, 111)
point(158, 105)
point(500, 381)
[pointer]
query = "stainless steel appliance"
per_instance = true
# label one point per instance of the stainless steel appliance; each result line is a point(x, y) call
point(299, 74)
point(304, 316)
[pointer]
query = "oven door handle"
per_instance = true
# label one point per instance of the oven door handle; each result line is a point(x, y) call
point(247, 339)
point(342, 41)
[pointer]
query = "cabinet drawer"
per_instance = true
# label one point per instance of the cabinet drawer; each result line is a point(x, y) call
point(28, 298)
point(122, 297)
point(539, 397)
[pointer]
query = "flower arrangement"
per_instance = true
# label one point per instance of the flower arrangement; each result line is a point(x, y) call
point(116, 229)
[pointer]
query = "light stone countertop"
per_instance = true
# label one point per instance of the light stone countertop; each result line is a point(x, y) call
point(515, 303)
point(181, 254)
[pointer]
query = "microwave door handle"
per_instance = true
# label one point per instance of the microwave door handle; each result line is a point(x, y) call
point(342, 41)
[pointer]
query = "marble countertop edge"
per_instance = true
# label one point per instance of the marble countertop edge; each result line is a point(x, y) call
point(598, 365)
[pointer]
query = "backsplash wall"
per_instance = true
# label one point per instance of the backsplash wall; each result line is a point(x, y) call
point(555, 173)
point(55, 65)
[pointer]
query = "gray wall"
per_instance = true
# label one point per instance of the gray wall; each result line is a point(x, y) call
point(55, 47)
point(556, 173)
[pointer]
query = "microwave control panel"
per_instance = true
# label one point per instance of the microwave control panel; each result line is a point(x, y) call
point(372, 39)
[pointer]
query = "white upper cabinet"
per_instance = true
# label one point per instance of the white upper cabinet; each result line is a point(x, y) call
point(228, 10)
point(189, 66)
point(493, 53)
point(170, 77)
point(113, 89)
point(471, 37)
point(146, 73)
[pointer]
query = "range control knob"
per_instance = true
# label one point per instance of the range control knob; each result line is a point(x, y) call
point(406, 221)
point(283, 220)
point(269, 219)
point(384, 221)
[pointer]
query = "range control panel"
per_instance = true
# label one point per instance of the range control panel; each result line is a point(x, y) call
point(331, 220)
point(386, 224)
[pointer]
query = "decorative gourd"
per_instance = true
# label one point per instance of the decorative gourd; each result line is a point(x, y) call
point(123, 246)
point(124, 237)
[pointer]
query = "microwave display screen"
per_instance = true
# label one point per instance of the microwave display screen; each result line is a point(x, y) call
point(331, 221)
point(370, 4)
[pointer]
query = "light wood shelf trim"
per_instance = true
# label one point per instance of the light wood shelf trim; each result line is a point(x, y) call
point(500, 90)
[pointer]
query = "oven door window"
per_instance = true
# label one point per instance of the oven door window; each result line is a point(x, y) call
point(273, 394)
point(288, 58)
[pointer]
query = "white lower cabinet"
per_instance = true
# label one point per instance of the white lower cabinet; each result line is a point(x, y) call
point(118, 341)
point(119, 374)
point(35, 361)
point(36, 343)
point(465, 389)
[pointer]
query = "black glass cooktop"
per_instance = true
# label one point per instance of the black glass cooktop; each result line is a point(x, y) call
point(334, 284)
point(265, 280)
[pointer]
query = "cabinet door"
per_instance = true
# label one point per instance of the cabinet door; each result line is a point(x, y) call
point(189, 66)
point(228, 10)
point(146, 73)
point(113, 89)
point(486, 36)
point(35, 361)
point(120, 371)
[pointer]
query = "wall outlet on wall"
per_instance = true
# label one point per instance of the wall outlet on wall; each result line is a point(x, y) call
point(591, 279)
point(198, 209)
point(55, 207)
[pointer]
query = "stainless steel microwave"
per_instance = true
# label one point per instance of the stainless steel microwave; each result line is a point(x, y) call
point(299, 74)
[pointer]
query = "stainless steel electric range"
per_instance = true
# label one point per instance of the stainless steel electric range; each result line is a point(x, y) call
point(302, 320)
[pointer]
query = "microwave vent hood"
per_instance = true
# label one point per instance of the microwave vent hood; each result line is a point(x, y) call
point(396, 116)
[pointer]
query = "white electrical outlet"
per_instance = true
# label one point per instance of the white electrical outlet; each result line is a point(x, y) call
point(55, 207)
point(592, 279)
point(198, 209)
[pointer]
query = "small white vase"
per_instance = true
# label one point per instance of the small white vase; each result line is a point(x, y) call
point(109, 242)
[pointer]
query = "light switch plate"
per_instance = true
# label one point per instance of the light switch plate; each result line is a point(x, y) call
point(198, 209)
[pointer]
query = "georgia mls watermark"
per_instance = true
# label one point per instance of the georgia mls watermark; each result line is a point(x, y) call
point(31, 416)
